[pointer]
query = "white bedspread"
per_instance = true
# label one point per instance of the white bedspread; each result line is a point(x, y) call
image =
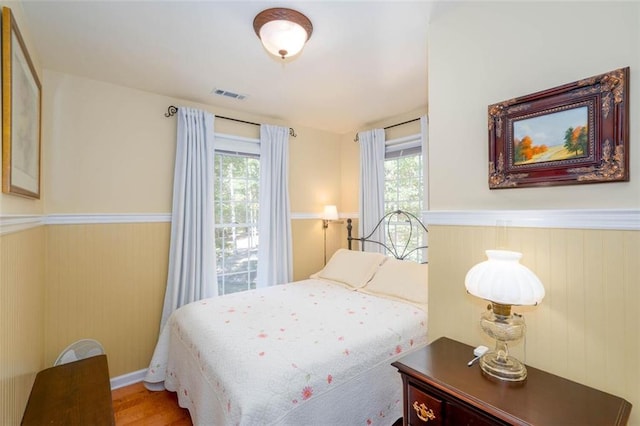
point(310, 352)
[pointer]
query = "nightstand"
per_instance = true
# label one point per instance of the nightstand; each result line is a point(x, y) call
point(440, 389)
point(76, 393)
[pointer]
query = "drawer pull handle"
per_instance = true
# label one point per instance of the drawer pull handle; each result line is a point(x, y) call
point(425, 414)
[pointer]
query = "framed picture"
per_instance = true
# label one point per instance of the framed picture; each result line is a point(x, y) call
point(21, 112)
point(571, 134)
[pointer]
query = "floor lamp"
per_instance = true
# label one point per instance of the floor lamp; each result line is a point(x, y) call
point(330, 213)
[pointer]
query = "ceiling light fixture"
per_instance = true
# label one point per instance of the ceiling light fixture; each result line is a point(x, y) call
point(283, 32)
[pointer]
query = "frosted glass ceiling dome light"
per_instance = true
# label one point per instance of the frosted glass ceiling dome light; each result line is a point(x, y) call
point(504, 282)
point(283, 32)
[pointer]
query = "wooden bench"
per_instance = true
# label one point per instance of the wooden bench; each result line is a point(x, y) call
point(77, 393)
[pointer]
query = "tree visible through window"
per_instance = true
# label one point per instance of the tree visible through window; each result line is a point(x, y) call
point(403, 190)
point(236, 218)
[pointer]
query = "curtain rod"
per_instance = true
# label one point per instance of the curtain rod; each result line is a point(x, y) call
point(393, 125)
point(171, 111)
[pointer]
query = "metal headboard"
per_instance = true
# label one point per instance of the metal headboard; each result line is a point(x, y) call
point(399, 251)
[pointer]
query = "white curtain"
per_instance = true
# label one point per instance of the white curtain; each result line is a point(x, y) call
point(275, 258)
point(192, 257)
point(371, 186)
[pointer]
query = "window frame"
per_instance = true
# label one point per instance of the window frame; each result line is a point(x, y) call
point(395, 149)
point(231, 145)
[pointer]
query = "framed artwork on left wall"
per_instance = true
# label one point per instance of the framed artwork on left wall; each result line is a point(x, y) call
point(21, 114)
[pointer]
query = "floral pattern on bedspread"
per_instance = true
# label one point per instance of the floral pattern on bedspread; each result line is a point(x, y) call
point(269, 351)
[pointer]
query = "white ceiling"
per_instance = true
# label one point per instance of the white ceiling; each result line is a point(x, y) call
point(365, 61)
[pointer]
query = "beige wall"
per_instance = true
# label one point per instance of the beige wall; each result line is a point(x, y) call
point(314, 170)
point(111, 150)
point(349, 170)
point(480, 53)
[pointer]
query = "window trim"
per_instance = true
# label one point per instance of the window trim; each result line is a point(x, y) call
point(407, 145)
point(238, 145)
point(396, 149)
point(231, 145)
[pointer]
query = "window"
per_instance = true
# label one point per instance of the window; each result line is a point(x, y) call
point(404, 188)
point(236, 199)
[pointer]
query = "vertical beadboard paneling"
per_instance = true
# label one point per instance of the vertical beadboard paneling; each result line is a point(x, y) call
point(308, 246)
point(574, 357)
point(585, 329)
point(555, 339)
point(106, 282)
point(631, 348)
point(528, 243)
point(21, 319)
point(614, 327)
point(595, 323)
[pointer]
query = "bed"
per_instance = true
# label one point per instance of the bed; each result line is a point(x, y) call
point(312, 352)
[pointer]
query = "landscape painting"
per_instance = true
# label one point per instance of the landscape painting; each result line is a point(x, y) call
point(572, 134)
point(557, 136)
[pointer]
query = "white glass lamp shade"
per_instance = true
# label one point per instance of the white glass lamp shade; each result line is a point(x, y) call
point(502, 279)
point(283, 32)
point(283, 38)
point(330, 213)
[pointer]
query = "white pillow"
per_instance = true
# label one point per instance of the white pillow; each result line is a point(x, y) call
point(400, 279)
point(350, 267)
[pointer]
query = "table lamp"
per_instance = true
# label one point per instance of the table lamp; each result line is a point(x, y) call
point(504, 282)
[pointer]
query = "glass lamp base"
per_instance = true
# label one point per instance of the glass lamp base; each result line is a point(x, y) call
point(504, 368)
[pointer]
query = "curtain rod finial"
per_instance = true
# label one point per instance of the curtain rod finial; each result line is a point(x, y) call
point(171, 111)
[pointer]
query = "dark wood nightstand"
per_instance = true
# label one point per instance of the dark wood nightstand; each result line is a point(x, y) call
point(440, 389)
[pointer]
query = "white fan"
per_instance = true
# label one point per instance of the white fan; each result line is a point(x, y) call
point(81, 349)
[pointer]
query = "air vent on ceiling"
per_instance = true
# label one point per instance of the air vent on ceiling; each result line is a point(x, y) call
point(229, 94)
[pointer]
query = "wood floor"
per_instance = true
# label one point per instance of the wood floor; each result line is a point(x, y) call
point(135, 405)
